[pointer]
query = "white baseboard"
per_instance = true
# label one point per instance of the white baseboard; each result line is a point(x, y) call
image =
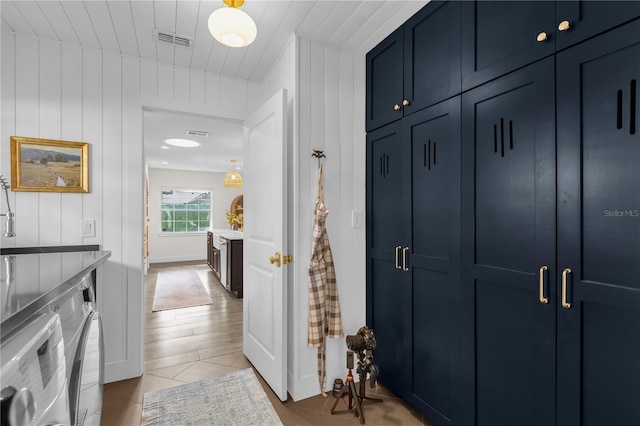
point(120, 370)
point(176, 259)
point(308, 386)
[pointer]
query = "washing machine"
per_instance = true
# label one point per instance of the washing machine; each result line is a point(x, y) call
point(84, 352)
point(33, 373)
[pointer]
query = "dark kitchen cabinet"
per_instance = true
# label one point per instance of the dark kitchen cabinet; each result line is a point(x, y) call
point(234, 267)
point(432, 314)
point(413, 255)
point(508, 204)
point(507, 292)
point(598, 146)
point(502, 36)
point(209, 249)
point(412, 68)
point(578, 20)
point(213, 255)
point(387, 237)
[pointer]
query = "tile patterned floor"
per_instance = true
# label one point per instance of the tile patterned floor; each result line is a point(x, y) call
point(191, 344)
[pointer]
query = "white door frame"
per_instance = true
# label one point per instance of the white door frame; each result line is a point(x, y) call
point(134, 170)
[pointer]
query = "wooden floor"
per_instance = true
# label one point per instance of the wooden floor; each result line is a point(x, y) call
point(191, 344)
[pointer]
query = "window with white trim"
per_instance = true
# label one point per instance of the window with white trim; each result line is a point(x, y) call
point(185, 210)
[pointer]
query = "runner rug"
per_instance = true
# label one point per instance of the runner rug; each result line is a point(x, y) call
point(179, 288)
point(233, 399)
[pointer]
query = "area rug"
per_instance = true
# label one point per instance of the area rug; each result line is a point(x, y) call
point(233, 399)
point(179, 289)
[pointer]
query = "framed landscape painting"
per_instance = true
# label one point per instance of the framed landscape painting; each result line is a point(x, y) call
point(45, 165)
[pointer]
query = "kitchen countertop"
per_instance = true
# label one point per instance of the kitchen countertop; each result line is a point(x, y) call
point(30, 281)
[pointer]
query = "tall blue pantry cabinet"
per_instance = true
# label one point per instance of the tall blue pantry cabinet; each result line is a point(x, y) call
point(503, 212)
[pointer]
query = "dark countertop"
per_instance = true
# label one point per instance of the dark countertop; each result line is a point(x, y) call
point(30, 281)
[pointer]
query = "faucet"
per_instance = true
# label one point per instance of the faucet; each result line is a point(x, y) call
point(9, 224)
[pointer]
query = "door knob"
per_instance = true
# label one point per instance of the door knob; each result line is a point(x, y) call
point(542, 36)
point(287, 259)
point(405, 102)
point(564, 25)
point(276, 259)
point(396, 107)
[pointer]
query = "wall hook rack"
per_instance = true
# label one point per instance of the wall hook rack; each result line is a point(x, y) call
point(318, 154)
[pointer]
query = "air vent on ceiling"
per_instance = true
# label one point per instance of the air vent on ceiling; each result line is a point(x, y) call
point(169, 37)
point(197, 133)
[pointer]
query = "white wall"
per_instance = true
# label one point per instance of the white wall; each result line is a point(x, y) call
point(174, 248)
point(326, 88)
point(61, 91)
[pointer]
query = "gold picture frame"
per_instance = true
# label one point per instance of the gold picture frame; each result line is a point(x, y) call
point(46, 165)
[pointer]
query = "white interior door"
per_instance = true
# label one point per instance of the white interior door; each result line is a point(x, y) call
point(264, 286)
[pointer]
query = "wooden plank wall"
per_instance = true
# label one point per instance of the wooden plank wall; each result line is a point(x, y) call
point(329, 116)
point(59, 91)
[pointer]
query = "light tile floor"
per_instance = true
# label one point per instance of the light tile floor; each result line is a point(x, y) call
point(191, 344)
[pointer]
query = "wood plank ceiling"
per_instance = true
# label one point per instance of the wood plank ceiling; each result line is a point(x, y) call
point(126, 27)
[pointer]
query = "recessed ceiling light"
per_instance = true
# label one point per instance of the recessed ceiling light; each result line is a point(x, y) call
point(164, 147)
point(165, 162)
point(184, 143)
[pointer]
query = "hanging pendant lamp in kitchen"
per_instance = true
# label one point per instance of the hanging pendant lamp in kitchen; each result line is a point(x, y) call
point(233, 179)
point(231, 26)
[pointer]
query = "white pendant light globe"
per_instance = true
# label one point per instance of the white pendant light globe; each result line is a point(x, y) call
point(232, 27)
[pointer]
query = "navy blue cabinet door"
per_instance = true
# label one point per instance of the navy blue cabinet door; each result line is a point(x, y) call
point(578, 20)
point(418, 65)
point(387, 276)
point(599, 230)
point(431, 55)
point(384, 81)
point(501, 36)
point(433, 308)
point(508, 248)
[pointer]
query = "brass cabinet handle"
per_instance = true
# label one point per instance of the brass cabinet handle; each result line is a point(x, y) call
point(565, 304)
point(404, 259)
point(405, 102)
point(542, 36)
point(397, 263)
point(276, 259)
point(287, 259)
point(396, 107)
point(564, 25)
point(543, 299)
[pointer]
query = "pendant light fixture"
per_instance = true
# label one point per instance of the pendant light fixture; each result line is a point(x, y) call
point(233, 179)
point(232, 26)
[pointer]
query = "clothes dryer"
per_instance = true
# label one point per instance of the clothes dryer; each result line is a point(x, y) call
point(33, 371)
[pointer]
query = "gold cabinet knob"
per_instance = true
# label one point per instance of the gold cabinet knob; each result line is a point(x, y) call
point(542, 36)
point(287, 259)
point(276, 259)
point(396, 107)
point(564, 25)
point(405, 102)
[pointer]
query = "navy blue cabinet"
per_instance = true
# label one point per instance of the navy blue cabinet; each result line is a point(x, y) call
point(503, 220)
point(599, 230)
point(413, 261)
point(385, 81)
point(501, 36)
point(508, 228)
point(416, 66)
point(432, 310)
point(387, 237)
point(579, 20)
